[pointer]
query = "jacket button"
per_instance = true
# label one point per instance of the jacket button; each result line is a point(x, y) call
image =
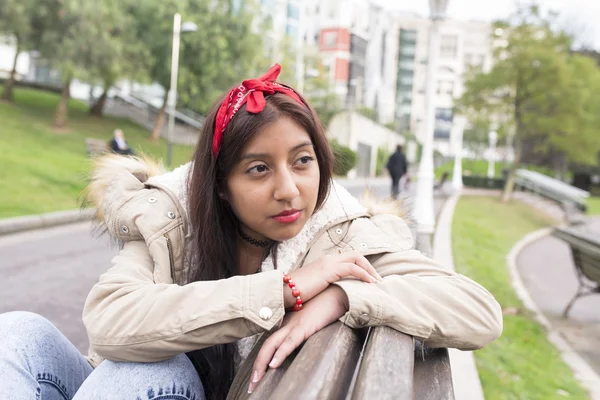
point(151, 199)
point(339, 231)
point(124, 229)
point(265, 313)
point(363, 245)
point(171, 215)
point(362, 320)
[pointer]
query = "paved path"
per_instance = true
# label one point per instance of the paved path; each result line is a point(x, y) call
point(51, 271)
point(548, 273)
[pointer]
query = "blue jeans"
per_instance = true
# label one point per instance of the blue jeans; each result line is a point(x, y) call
point(39, 362)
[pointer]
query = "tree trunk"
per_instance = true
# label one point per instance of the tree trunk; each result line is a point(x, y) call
point(560, 166)
point(160, 118)
point(97, 109)
point(60, 118)
point(509, 186)
point(10, 82)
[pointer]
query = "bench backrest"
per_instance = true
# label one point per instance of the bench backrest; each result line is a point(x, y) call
point(360, 364)
point(95, 147)
point(551, 188)
point(585, 249)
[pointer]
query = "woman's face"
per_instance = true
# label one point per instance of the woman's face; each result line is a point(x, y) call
point(273, 188)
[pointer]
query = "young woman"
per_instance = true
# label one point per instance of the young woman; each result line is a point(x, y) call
point(250, 237)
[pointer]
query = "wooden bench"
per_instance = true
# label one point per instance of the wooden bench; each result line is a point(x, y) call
point(360, 364)
point(373, 363)
point(585, 249)
point(95, 147)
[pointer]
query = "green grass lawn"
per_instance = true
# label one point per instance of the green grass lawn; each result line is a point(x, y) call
point(43, 169)
point(521, 364)
point(593, 206)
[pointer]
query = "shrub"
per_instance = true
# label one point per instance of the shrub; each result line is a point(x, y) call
point(345, 159)
point(382, 157)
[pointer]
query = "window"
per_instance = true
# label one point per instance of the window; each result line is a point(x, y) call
point(449, 46)
point(329, 38)
point(409, 36)
point(291, 31)
point(406, 81)
point(407, 65)
point(293, 12)
point(445, 87)
point(407, 50)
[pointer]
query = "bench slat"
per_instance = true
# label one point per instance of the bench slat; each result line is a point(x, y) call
point(386, 370)
point(271, 380)
point(324, 367)
point(432, 376)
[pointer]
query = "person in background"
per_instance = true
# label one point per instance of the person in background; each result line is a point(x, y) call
point(397, 166)
point(119, 145)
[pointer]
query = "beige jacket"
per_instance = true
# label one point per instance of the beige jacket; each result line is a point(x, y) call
point(138, 311)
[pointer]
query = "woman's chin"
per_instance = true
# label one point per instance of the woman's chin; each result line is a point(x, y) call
point(284, 233)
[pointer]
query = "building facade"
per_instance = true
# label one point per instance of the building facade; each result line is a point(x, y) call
point(463, 45)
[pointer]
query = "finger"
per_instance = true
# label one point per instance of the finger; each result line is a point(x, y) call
point(291, 343)
point(362, 262)
point(359, 273)
point(265, 355)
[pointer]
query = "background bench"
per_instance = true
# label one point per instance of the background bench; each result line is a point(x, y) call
point(96, 147)
point(551, 188)
point(585, 249)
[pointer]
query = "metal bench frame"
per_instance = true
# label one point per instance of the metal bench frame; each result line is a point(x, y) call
point(585, 251)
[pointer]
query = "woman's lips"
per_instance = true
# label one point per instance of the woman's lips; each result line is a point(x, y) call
point(288, 216)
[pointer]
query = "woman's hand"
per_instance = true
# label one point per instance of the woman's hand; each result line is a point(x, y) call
point(327, 307)
point(315, 277)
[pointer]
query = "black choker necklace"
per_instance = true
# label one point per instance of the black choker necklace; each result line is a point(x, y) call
point(252, 241)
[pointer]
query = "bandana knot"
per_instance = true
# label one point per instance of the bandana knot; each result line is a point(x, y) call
point(252, 93)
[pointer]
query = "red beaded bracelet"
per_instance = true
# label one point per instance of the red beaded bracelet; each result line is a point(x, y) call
point(295, 292)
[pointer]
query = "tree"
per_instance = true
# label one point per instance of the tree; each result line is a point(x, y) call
point(73, 37)
point(224, 51)
point(121, 56)
point(16, 21)
point(537, 88)
point(317, 89)
point(153, 26)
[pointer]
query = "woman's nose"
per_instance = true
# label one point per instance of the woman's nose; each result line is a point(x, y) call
point(285, 186)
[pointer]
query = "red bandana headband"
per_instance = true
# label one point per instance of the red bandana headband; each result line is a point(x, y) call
point(251, 91)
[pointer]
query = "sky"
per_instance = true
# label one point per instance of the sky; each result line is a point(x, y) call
point(576, 16)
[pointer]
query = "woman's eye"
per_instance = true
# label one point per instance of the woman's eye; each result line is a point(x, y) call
point(258, 169)
point(304, 160)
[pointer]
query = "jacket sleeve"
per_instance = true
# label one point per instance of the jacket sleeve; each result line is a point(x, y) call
point(424, 300)
point(129, 317)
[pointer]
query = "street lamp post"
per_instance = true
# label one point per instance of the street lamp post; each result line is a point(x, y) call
point(424, 212)
point(177, 30)
point(457, 183)
point(493, 136)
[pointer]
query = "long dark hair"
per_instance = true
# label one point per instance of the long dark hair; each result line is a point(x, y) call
point(214, 252)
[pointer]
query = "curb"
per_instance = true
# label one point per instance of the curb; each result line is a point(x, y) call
point(583, 372)
point(465, 377)
point(19, 224)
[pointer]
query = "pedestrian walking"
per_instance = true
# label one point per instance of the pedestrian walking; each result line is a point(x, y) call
point(397, 167)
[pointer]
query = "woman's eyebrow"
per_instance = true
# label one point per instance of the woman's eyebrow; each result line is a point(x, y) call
point(264, 155)
point(300, 146)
